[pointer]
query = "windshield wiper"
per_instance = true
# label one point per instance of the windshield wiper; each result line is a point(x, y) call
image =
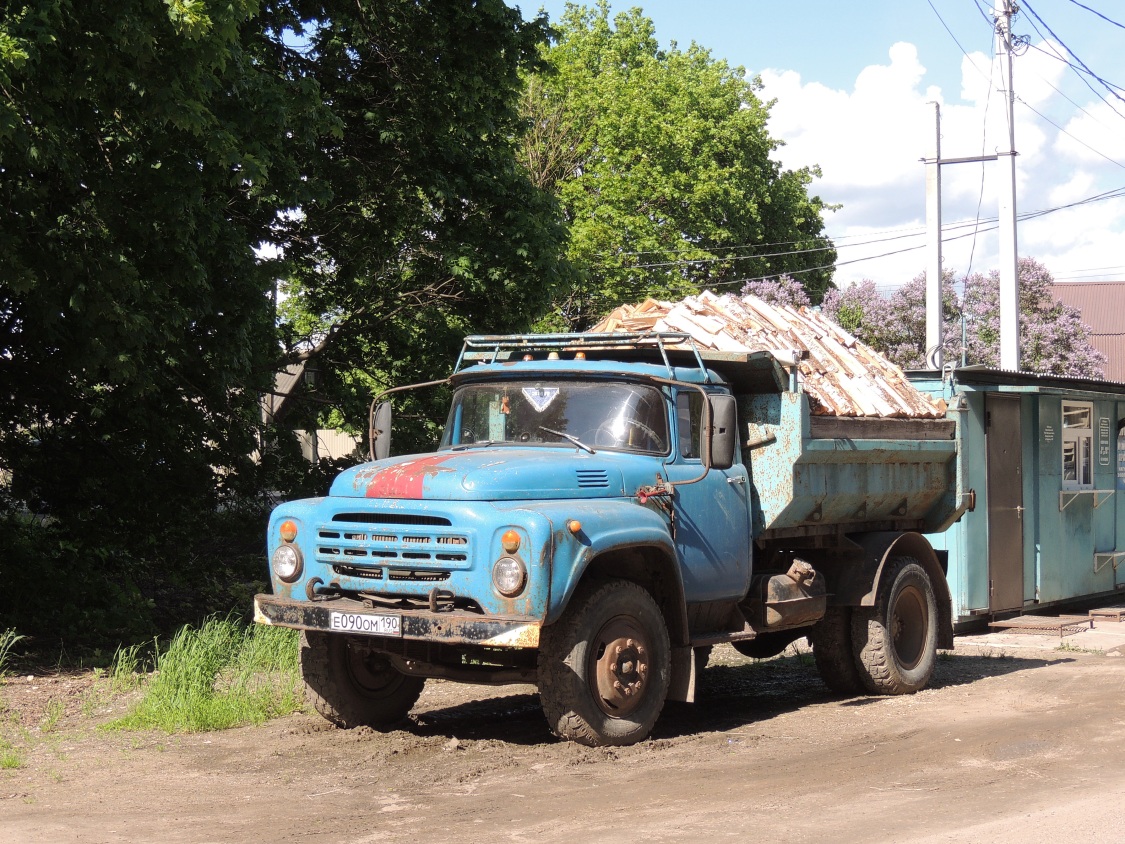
point(463, 446)
point(570, 437)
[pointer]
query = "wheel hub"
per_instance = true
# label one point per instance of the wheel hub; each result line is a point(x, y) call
point(370, 671)
point(909, 623)
point(620, 666)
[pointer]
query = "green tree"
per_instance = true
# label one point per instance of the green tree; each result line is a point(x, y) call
point(429, 228)
point(661, 160)
point(146, 148)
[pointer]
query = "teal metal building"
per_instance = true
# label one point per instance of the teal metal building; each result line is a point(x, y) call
point(1045, 457)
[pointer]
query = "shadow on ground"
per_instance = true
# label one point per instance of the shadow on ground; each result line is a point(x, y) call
point(728, 697)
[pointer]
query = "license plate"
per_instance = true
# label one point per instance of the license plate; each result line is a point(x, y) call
point(372, 625)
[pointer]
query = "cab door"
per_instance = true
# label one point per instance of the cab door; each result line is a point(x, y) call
point(712, 516)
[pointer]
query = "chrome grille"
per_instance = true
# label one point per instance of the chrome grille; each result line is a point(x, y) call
point(369, 542)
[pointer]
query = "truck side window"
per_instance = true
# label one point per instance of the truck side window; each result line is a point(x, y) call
point(689, 423)
point(1078, 445)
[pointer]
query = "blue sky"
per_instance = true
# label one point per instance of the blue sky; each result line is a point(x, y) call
point(852, 80)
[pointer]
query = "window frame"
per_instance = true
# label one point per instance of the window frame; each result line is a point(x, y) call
point(1081, 441)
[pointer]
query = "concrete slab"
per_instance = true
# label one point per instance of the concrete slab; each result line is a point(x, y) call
point(1106, 636)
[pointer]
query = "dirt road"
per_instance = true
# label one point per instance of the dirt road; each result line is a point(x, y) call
point(1026, 746)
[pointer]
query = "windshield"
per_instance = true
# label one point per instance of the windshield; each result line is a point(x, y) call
point(610, 415)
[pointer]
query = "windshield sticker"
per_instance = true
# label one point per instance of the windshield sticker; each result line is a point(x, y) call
point(540, 397)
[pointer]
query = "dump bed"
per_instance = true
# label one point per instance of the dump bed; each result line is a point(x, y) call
point(824, 474)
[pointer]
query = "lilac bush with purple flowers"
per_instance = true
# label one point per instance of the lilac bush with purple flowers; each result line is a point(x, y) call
point(1053, 339)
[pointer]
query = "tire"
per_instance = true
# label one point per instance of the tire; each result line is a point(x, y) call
point(895, 643)
point(604, 667)
point(831, 641)
point(353, 686)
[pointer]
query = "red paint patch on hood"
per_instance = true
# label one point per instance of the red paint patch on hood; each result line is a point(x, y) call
point(405, 480)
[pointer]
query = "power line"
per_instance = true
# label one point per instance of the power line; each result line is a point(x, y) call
point(1099, 14)
point(1108, 86)
point(912, 232)
point(1072, 137)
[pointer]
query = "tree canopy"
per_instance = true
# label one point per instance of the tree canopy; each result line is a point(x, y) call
point(149, 150)
point(662, 162)
point(428, 229)
point(145, 150)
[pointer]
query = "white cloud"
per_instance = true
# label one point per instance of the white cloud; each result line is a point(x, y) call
point(869, 141)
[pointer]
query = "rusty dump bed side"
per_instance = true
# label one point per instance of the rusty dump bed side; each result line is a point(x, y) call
point(822, 474)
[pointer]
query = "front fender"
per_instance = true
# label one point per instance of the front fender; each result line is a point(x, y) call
point(607, 526)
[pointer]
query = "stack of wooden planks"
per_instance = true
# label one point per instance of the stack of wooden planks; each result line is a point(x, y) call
point(841, 375)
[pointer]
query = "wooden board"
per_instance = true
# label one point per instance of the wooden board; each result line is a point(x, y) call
point(842, 376)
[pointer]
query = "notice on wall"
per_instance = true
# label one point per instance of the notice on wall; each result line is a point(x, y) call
point(1105, 454)
point(1048, 434)
point(1121, 460)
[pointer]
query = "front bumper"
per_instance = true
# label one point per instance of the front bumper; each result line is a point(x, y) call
point(418, 625)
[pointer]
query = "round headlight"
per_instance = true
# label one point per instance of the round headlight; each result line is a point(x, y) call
point(509, 576)
point(287, 562)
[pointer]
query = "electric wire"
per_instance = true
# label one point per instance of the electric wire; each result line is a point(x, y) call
point(897, 234)
point(1109, 87)
point(983, 146)
point(1099, 14)
point(1068, 134)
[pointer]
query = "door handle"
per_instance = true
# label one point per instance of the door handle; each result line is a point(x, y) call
point(736, 479)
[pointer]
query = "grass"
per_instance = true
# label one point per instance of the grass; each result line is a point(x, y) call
point(54, 712)
point(8, 639)
point(1066, 647)
point(10, 758)
point(222, 674)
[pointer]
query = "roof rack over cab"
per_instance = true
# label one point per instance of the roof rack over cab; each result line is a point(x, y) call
point(495, 347)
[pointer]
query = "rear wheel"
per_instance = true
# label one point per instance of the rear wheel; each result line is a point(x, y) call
point(831, 640)
point(604, 667)
point(352, 685)
point(895, 642)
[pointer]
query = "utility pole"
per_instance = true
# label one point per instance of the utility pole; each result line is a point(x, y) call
point(934, 354)
point(1006, 158)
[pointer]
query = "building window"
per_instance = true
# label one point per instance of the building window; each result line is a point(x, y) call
point(1078, 445)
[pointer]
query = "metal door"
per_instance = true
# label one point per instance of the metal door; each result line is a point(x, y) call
point(712, 514)
point(1004, 450)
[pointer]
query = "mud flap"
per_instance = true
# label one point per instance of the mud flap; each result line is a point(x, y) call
point(682, 684)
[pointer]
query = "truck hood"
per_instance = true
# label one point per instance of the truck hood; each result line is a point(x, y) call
point(491, 474)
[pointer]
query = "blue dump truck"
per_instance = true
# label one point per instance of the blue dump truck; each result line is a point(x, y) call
point(601, 510)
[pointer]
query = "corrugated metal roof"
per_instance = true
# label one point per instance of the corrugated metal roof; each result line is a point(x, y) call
point(1102, 304)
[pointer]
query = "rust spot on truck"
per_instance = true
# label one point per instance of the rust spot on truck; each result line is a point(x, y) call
point(405, 480)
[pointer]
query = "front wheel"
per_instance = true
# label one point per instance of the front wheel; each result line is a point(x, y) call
point(895, 642)
point(352, 685)
point(604, 667)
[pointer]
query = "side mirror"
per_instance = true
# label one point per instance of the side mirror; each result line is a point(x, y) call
point(381, 431)
point(723, 440)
